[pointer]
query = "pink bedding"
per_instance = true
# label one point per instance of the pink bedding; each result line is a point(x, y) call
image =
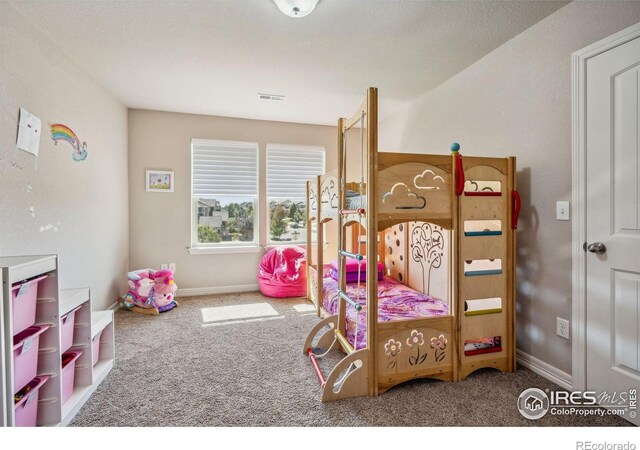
point(395, 302)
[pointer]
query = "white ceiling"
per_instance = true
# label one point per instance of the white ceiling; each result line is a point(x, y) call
point(213, 57)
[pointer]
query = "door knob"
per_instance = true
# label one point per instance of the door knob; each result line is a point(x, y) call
point(597, 247)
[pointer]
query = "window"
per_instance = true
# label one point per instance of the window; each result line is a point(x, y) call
point(224, 191)
point(289, 167)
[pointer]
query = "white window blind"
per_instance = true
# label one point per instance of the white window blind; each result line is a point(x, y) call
point(224, 168)
point(289, 167)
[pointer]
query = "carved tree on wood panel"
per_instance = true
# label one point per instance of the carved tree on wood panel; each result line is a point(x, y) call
point(427, 248)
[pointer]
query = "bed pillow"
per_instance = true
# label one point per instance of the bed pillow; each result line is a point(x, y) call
point(352, 277)
point(352, 270)
point(352, 265)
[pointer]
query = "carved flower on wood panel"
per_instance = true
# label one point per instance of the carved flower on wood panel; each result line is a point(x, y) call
point(392, 348)
point(416, 339)
point(440, 344)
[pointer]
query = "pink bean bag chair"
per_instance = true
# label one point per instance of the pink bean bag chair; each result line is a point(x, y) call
point(282, 272)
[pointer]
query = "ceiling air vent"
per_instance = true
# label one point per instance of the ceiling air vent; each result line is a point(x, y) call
point(272, 97)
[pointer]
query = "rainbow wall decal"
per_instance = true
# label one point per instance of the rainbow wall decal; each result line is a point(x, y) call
point(61, 132)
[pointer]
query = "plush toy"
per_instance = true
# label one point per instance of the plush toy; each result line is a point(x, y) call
point(150, 291)
point(164, 289)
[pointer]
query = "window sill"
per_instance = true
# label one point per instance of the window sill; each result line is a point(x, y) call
point(225, 250)
point(271, 245)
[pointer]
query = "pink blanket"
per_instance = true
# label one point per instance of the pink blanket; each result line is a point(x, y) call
point(395, 302)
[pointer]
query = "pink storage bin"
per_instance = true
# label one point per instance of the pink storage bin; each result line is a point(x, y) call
point(96, 348)
point(26, 409)
point(66, 329)
point(25, 355)
point(69, 373)
point(23, 303)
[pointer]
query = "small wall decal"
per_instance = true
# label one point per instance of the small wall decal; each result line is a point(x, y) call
point(29, 188)
point(29, 130)
point(48, 227)
point(32, 211)
point(61, 132)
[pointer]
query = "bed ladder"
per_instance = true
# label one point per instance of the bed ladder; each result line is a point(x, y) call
point(349, 378)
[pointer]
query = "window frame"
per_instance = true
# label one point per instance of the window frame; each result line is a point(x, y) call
point(225, 246)
point(298, 148)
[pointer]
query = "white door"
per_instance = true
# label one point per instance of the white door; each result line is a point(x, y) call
point(613, 222)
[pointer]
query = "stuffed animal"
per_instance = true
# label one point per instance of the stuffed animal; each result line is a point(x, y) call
point(150, 291)
point(164, 289)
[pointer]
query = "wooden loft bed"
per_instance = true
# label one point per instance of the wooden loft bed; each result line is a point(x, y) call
point(411, 204)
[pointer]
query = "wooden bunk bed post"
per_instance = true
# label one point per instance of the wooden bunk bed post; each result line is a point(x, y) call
point(342, 239)
point(309, 237)
point(511, 265)
point(320, 246)
point(372, 236)
point(454, 289)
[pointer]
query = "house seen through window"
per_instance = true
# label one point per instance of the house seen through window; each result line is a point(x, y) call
point(224, 193)
point(289, 167)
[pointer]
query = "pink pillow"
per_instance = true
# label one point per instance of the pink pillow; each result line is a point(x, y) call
point(352, 265)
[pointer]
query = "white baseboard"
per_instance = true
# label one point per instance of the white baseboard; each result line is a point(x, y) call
point(116, 306)
point(190, 292)
point(562, 379)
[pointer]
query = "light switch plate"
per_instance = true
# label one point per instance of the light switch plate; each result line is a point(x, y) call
point(562, 210)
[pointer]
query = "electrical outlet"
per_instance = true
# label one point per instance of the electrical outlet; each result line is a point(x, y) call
point(562, 327)
point(562, 211)
point(172, 266)
point(163, 266)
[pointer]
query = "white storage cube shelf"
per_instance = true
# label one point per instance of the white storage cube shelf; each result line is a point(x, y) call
point(3, 378)
point(52, 304)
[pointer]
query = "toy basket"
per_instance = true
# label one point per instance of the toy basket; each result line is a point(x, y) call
point(23, 303)
point(25, 355)
point(69, 373)
point(26, 408)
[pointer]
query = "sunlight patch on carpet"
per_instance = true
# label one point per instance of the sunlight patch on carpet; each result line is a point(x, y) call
point(306, 307)
point(231, 322)
point(237, 312)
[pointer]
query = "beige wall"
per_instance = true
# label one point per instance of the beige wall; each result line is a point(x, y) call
point(81, 208)
point(517, 101)
point(160, 222)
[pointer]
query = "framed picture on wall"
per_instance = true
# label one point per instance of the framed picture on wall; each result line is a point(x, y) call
point(159, 180)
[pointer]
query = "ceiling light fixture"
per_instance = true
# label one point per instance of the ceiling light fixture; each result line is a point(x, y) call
point(296, 8)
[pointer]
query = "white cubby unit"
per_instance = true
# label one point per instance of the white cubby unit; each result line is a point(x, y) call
point(56, 308)
point(3, 378)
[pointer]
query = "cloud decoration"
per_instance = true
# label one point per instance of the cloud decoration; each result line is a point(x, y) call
point(401, 195)
point(314, 199)
point(423, 181)
point(325, 196)
point(329, 195)
point(334, 201)
point(482, 186)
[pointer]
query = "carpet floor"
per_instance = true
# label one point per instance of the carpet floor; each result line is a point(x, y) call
point(173, 371)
